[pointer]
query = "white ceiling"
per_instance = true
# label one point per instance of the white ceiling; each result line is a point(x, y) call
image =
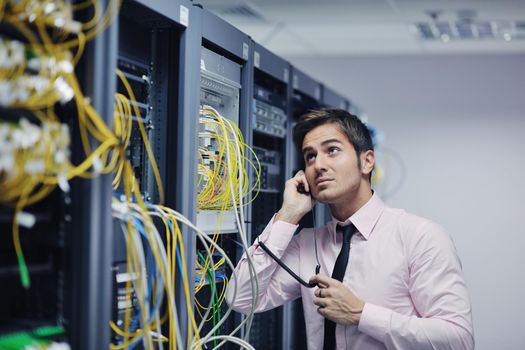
point(365, 27)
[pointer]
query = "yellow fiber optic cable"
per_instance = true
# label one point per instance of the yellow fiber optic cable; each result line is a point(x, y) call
point(151, 156)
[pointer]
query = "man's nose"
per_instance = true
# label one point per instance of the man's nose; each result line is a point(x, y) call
point(320, 163)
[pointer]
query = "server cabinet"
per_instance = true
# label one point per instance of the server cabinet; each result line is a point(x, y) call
point(156, 56)
point(270, 104)
point(225, 102)
point(57, 286)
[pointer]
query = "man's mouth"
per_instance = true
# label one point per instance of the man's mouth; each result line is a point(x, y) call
point(322, 181)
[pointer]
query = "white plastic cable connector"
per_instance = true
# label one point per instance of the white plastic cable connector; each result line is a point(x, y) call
point(97, 165)
point(35, 166)
point(63, 183)
point(65, 66)
point(58, 346)
point(120, 208)
point(25, 219)
point(65, 91)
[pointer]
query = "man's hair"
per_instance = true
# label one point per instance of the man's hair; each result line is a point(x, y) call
point(355, 130)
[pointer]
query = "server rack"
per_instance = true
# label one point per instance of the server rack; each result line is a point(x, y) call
point(270, 104)
point(67, 298)
point(225, 85)
point(91, 281)
point(143, 65)
point(158, 55)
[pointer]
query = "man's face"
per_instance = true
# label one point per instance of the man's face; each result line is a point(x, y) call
point(331, 165)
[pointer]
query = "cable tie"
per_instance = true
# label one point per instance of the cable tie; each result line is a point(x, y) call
point(25, 219)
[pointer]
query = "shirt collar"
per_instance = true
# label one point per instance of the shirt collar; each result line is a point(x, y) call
point(365, 218)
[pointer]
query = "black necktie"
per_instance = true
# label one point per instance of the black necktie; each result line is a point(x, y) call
point(338, 274)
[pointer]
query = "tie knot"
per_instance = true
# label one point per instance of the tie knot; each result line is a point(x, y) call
point(348, 231)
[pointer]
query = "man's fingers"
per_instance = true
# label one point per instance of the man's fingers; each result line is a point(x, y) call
point(322, 279)
point(321, 302)
point(322, 293)
point(300, 177)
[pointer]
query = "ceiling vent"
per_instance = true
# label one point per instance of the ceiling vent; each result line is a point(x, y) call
point(241, 11)
point(471, 30)
point(467, 27)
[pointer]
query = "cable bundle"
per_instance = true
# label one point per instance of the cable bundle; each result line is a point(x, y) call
point(222, 174)
point(224, 185)
point(35, 75)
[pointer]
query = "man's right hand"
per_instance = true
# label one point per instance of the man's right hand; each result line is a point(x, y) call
point(295, 204)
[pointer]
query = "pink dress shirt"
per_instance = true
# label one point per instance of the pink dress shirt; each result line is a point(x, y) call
point(405, 268)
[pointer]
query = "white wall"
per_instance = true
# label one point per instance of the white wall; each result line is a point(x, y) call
point(458, 123)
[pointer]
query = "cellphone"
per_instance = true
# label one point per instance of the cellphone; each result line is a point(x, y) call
point(302, 190)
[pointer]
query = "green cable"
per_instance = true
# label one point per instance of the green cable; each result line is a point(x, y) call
point(24, 273)
point(214, 296)
point(215, 303)
point(37, 337)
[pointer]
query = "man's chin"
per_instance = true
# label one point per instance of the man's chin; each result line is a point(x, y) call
point(323, 197)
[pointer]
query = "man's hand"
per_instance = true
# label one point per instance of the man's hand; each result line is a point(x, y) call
point(295, 204)
point(336, 302)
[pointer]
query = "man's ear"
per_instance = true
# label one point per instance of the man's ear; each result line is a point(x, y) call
point(368, 161)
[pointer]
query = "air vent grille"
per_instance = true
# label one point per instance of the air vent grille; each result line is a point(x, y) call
point(243, 11)
point(470, 30)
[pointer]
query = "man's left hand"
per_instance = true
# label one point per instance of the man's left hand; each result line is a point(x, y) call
point(336, 302)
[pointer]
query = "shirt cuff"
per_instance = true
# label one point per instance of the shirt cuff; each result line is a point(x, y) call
point(375, 321)
point(279, 234)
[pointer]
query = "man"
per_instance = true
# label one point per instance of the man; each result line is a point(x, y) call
point(402, 286)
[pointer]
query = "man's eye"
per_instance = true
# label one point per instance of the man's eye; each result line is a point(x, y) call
point(309, 157)
point(333, 150)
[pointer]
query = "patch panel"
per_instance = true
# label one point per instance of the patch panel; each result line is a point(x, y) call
point(269, 119)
